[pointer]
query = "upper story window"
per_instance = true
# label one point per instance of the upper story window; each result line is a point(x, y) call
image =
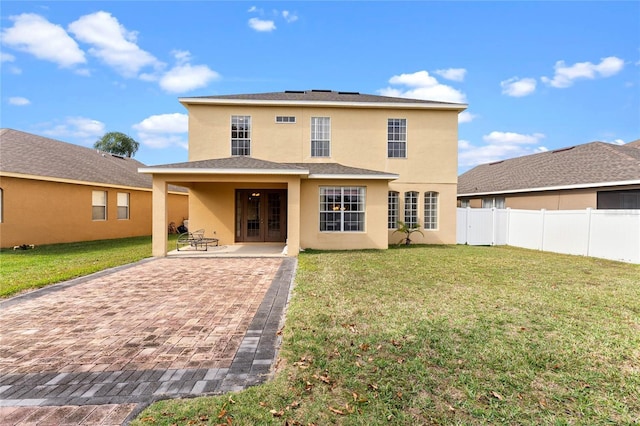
point(411, 209)
point(123, 205)
point(320, 136)
point(99, 205)
point(342, 208)
point(285, 119)
point(397, 137)
point(394, 210)
point(431, 210)
point(240, 135)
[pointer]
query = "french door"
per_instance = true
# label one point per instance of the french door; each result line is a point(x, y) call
point(261, 215)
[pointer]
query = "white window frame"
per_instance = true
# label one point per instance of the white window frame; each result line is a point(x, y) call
point(394, 209)
point(321, 137)
point(411, 218)
point(493, 202)
point(396, 138)
point(123, 199)
point(285, 119)
point(99, 204)
point(241, 136)
point(342, 208)
point(431, 210)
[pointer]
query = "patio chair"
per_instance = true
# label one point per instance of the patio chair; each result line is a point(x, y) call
point(195, 239)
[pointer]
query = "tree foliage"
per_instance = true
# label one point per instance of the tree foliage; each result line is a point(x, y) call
point(117, 143)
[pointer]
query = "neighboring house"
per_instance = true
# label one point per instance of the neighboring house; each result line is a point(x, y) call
point(595, 175)
point(56, 192)
point(315, 169)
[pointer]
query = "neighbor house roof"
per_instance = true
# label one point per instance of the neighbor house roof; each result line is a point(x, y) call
point(322, 98)
point(590, 165)
point(26, 155)
point(250, 165)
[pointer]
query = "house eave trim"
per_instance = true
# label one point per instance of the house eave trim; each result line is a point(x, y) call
point(353, 176)
point(399, 105)
point(74, 182)
point(190, 171)
point(554, 188)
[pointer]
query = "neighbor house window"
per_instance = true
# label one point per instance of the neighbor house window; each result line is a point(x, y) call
point(99, 205)
point(394, 208)
point(123, 205)
point(465, 203)
point(411, 209)
point(430, 210)
point(397, 137)
point(490, 202)
point(240, 135)
point(342, 208)
point(320, 136)
point(285, 119)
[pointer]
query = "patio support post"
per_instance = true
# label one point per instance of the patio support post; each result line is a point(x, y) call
point(159, 218)
point(293, 216)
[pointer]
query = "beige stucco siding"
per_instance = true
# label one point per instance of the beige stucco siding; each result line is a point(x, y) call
point(358, 138)
point(44, 212)
point(374, 235)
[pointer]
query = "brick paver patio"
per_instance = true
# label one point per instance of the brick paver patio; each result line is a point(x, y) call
point(94, 351)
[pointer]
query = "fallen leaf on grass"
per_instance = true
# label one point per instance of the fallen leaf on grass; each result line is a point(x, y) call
point(222, 413)
point(277, 413)
point(336, 411)
point(323, 379)
point(496, 395)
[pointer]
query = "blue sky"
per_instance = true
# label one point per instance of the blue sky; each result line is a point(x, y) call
point(536, 75)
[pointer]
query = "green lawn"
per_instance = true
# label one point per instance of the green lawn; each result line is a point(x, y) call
point(29, 269)
point(446, 335)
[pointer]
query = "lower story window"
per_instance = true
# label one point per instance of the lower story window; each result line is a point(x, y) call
point(491, 202)
point(123, 205)
point(411, 209)
point(394, 207)
point(430, 210)
point(342, 208)
point(99, 205)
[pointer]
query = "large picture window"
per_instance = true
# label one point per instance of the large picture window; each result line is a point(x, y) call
point(397, 137)
point(430, 210)
point(320, 136)
point(241, 135)
point(394, 209)
point(99, 205)
point(342, 208)
point(123, 205)
point(411, 209)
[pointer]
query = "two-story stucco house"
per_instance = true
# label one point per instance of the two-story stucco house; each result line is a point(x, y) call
point(315, 169)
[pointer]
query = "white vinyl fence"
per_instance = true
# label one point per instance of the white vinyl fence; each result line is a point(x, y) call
point(608, 234)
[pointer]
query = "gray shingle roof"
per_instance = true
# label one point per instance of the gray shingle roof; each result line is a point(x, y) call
point(322, 96)
point(30, 154)
point(250, 163)
point(591, 163)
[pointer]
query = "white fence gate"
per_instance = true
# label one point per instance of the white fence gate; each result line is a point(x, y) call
point(608, 234)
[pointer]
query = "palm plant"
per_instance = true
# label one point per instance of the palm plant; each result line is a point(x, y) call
point(407, 230)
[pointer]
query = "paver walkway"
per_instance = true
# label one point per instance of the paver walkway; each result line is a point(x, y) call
point(99, 349)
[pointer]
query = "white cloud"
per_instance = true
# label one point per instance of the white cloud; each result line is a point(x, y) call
point(289, 17)
point(19, 101)
point(85, 129)
point(499, 146)
point(35, 35)
point(164, 130)
point(616, 142)
point(261, 25)
point(6, 57)
point(252, 9)
point(421, 85)
point(566, 75)
point(466, 117)
point(113, 43)
point(455, 74)
point(518, 87)
point(184, 76)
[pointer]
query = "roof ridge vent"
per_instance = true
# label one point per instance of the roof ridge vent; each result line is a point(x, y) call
point(294, 91)
point(562, 149)
point(321, 90)
point(348, 93)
